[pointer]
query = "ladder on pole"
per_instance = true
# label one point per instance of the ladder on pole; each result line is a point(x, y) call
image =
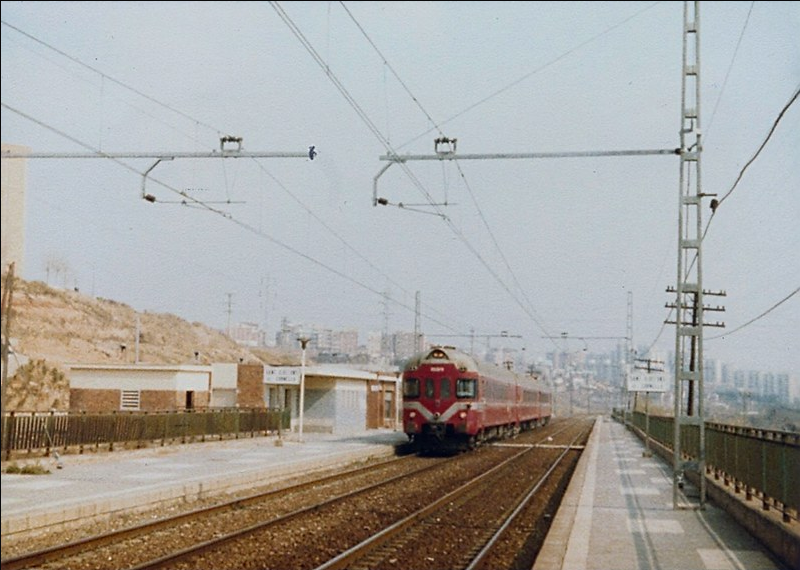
point(688, 405)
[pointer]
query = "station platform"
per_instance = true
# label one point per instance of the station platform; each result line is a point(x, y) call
point(103, 484)
point(618, 514)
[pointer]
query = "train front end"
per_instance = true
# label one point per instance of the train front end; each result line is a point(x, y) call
point(440, 409)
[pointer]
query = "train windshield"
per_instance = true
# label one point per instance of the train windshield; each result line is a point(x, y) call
point(444, 388)
point(465, 388)
point(429, 387)
point(411, 388)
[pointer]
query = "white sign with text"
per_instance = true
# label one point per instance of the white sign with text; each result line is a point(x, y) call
point(647, 382)
point(282, 375)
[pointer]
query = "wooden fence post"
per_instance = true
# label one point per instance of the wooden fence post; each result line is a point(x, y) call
point(8, 429)
point(81, 435)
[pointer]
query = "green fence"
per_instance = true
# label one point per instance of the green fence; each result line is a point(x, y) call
point(39, 432)
point(759, 462)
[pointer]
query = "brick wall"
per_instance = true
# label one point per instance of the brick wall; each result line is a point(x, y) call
point(93, 400)
point(157, 400)
point(250, 383)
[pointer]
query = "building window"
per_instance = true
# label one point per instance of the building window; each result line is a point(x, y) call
point(130, 400)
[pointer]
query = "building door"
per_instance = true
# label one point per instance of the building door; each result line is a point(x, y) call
point(189, 400)
point(388, 409)
point(374, 405)
point(273, 397)
point(290, 404)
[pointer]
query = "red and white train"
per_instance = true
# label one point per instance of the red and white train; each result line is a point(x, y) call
point(451, 401)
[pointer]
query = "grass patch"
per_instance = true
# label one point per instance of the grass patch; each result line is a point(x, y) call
point(27, 469)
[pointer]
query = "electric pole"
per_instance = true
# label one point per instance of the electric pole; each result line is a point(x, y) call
point(228, 310)
point(386, 346)
point(628, 358)
point(650, 366)
point(689, 308)
point(6, 306)
point(417, 321)
point(263, 293)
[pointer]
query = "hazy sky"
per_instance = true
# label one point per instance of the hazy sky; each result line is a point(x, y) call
point(535, 247)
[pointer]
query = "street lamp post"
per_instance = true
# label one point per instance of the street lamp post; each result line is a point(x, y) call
point(303, 342)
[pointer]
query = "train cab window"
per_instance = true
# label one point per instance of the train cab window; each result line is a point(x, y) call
point(429, 387)
point(465, 388)
point(411, 388)
point(444, 388)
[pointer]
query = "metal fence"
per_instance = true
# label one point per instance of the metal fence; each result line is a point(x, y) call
point(39, 432)
point(759, 462)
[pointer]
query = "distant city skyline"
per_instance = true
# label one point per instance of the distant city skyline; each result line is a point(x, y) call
point(359, 340)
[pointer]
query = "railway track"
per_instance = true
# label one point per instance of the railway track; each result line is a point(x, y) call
point(312, 525)
point(56, 555)
point(470, 522)
point(331, 536)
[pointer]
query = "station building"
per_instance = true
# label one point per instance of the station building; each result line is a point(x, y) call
point(336, 399)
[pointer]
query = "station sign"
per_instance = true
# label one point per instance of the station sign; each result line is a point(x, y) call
point(286, 375)
point(648, 382)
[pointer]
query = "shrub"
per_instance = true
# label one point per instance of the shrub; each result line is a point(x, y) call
point(34, 469)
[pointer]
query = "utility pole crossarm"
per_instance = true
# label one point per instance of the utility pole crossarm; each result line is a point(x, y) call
point(166, 155)
point(528, 155)
point(452, 155)
point(223, 152)
point(475, 335)
point(589, 337)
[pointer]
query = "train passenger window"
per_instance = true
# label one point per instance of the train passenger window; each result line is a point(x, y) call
point(444, 388)
point(465, 388)
point(411, 388)
point(429, 387)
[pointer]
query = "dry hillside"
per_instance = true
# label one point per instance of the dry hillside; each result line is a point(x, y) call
point(51, 327)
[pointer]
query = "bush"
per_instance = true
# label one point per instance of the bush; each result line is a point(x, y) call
point(35, 469)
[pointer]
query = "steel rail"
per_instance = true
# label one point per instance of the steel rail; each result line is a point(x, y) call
point(98, 541)
point(212, 544)
point(524, 501)
point(346, 558)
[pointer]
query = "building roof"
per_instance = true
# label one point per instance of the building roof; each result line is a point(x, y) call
point(143, 367)
point(345, 371)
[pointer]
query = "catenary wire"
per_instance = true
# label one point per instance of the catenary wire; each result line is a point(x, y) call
point(374, 129)
point(137, 108)
point(194, 202)
point(529, 310)
point(124, 85)
point(772, 129)
point(730, 191)
point(324, 224)
point(754, 319)
point(728, 72)
point(109, 78)
point(533, 72)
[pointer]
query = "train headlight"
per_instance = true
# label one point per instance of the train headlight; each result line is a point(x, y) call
point(412, 415)
point(462, 414)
